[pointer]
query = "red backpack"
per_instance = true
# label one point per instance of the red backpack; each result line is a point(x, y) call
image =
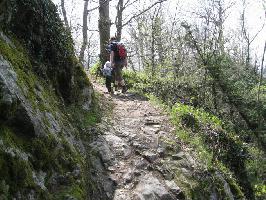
point(121, 50)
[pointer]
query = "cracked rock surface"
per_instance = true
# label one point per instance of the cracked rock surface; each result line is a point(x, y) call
point(134, 152)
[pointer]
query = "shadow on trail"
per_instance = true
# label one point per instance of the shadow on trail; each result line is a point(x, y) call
point(129, 97)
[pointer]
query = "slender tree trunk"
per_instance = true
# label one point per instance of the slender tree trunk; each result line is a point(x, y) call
point(248, 53)
point(89, 52)
point(153, 40)
point(64, 14)
point(261, 73)
point(104, 29)
point(141, 47)
point(119, 18)
point(220, 27)
point(153, 49)
point(84, 32)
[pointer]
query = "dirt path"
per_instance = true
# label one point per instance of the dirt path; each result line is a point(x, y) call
point(138, 151)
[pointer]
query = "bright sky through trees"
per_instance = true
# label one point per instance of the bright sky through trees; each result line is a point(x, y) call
point(186, 11)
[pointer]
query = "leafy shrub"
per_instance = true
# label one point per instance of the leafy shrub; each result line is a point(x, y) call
point(95, 68)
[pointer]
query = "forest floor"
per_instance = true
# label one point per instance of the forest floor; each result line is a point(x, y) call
point(139, 152)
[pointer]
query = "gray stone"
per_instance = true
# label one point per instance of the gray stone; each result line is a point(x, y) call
point(167, 174)
point(173, 187)
point(150, 188)
point(53, 126)
point(137, 145)
point(23, 117)
point(226, 186)
point(178, 156)
point(137, 172)
point(150, 156)
point(161, 151)
point(6, 39)
point(151, 122)
point(127, 152)
point(122, 195)
point(128, 177)
point(76, 173)
point(87, 98)
point(141, 164)
point(32, 195)
point(111, 169)
point(17, 153)
point(101, 146)
point(39, 179)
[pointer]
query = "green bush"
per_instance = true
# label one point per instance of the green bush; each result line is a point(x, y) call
point(95, 68)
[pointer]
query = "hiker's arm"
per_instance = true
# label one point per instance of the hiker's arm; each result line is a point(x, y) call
point(112, 58)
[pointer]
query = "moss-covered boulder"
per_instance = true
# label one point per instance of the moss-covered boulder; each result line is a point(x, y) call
point(42, 86)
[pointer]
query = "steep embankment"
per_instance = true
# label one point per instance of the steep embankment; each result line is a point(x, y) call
point(141, 157)
point(46, 104)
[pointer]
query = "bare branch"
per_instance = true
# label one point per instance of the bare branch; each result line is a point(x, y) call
point(93, 30)
point(95, 8)
point(257, 32)
point(128, 3)
point(92, 9)
point(142, 12)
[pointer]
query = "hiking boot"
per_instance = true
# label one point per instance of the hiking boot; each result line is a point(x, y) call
point(124, 89)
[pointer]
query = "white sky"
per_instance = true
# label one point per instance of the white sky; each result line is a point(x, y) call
point(255, 14)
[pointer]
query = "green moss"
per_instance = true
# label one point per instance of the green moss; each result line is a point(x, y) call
point(14, 140)
point(84, 119)
point(236, 190)
point(15, 171)
point(26, 79)
point(76, 191)
point(47, 154)
point(22, 66)
point(54, 59)
point(44, 151)
point(4, 190)
point(51, 154)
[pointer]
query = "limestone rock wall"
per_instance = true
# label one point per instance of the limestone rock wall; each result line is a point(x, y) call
point(42, 87)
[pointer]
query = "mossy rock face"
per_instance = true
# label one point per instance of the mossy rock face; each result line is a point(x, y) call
point(37, 24)
point(41, 153)
point(39, 165)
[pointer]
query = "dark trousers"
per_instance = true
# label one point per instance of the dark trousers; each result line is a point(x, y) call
point(108, 83)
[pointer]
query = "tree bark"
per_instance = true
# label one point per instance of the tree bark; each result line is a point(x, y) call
point(153, 40)
point(119, 18)
point(104, 29)
point(64, 14)
point(261, 72)
point(221, 12)
point(85, 32)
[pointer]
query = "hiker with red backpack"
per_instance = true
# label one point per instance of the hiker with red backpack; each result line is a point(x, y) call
point(118, 59)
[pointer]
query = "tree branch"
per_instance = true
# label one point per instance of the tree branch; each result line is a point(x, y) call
point(145, 10)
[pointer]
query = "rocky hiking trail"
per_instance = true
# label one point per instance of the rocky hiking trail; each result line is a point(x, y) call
point(139, 156)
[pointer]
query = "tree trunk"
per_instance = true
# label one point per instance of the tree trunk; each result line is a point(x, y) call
point(64, 14)
point(261, 73)
point(119, 18)
point(220, 27)
point(153, 49)
point(104, 29)
point(154, 30)
point(85, 32)
point(89, 58)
